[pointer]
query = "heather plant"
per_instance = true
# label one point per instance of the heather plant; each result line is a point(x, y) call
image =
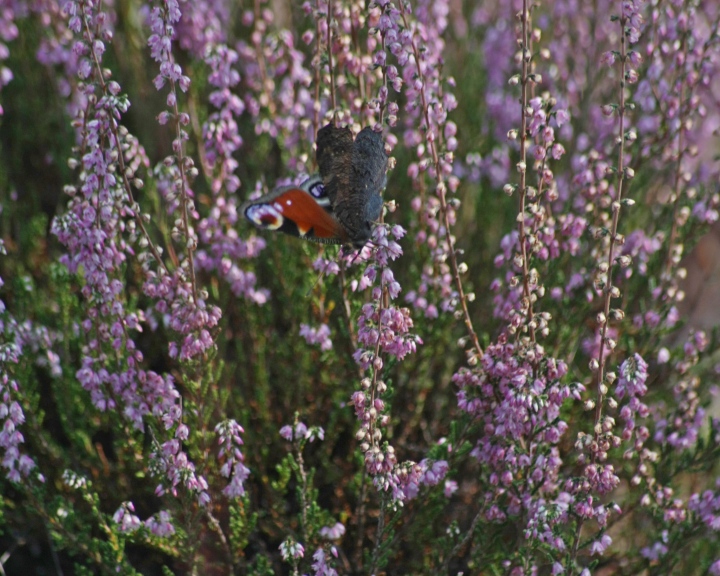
point(507, 379)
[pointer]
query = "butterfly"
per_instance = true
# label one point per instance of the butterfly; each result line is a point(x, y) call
point(339, 205)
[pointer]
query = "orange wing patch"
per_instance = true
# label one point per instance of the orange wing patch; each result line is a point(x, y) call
point(302, 209)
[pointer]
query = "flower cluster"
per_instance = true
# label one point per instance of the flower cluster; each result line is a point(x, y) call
point(170, 463)
point(518, 408)
point(99, 228)
point(383, 330)
point(8, 32)
point(99, 215)
point(277, 91)
point(190, 315)
point(233, 468)
point(16, 464)
point(319, 336)
point(301, 433)
point(159, 525)
point(220, 245)
point(415, 42)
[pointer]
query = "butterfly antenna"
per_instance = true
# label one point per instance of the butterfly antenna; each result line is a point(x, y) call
point(359, 252)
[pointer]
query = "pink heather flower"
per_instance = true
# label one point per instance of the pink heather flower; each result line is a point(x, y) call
point(714, 569)
point(320, 566)
point(301, 430)
point(230, 441)
point(176, 467)
point(315, 432)
point(599, 546)
point(286, 432)
point(124, 516)
point(633, 375)
point(655, 552)
point(17, 465)
point(325, 266)
point(317, 336)
point(434, 472)
point(290, 549)
point(332, 532)
point(160, 524)
point(97, 214)
point(608, 58)
point(450, 488)
point(557, 151)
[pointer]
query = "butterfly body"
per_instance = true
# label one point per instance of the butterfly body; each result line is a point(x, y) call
point(340, 205)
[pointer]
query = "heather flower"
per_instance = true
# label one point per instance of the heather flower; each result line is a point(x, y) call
point(333, 532)
point(160, 524)
point(124, 516)
point(287, 433)
point(219, 244)
point(233, 468)
point(633, 375)
point(434, 471)
point(16, 464)
point(599, 546)
point(451, 487)
point(320, 566)
point(169, 462)
point(326, 266)
point(302, 432)
point(290, 549)
point(317, 336)
point(315, 432)
point(8, 32)
point(74, 480)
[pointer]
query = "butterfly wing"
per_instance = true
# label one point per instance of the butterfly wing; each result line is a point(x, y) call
point(315, 187)
point(334, 158)
point(303, 211)
point(369, 163)
point(359, 203)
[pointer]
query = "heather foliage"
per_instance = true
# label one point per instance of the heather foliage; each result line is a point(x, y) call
point(506, 380)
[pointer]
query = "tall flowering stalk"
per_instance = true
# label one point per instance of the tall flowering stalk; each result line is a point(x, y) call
point(515, 395)
point(436, 127)
point(15, 463)
point(99, 213)
point(600, 476)
point(629, 22)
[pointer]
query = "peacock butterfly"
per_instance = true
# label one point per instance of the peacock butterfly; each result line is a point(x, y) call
point(340, 205)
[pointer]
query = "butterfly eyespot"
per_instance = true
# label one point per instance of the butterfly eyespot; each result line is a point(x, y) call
point(317, 190)
point(264, 216)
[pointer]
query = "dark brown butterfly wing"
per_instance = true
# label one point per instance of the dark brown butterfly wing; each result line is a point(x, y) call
point(359, 204)
point(334, 158)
